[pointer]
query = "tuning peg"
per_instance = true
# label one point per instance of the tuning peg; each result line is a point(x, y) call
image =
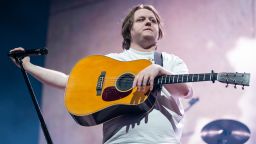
point(227, 82)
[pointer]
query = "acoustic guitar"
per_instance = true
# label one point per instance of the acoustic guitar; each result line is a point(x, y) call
point(100, 88)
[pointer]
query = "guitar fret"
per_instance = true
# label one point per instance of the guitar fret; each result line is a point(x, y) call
point(181, 78)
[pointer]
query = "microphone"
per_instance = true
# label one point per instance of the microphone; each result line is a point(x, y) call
point(29, 52)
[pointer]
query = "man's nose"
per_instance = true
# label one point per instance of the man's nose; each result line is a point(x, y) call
point(148, 22)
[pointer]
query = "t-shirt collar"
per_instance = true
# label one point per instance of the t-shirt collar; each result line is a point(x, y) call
point(140, 52)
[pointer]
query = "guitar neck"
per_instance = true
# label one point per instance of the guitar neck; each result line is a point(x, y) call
point(183, 78)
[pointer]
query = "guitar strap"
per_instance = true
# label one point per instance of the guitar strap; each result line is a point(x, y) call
point(158, 58)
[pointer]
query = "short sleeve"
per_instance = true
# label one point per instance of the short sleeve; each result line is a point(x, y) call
point(174, 64)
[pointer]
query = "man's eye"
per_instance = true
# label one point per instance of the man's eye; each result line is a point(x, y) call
point(140, 19)
point(153, 21)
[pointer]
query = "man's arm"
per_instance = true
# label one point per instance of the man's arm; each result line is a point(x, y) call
point(44, 75)
point(148, 75)
point(181, 89)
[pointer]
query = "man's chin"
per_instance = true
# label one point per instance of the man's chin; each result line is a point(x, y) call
point(149, 37)
point(149, 42)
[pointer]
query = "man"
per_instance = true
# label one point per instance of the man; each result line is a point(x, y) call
point(141, 31)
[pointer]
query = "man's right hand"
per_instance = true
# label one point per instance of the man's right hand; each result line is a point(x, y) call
point(44, 75)
point(25, 60)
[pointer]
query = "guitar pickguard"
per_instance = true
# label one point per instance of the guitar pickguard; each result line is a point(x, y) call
point(112, 94)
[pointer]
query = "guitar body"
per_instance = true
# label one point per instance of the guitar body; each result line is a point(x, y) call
point(99, 89)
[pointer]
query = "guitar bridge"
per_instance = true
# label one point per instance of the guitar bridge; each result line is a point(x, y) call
point(100, 83)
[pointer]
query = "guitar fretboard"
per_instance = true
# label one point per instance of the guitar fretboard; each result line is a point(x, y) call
point(183, 78)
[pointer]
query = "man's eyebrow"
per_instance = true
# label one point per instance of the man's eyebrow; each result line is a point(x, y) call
point(140, 16)
point(145, 16)
point(152, 17)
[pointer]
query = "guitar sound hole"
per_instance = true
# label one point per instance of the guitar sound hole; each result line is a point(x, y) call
point(124, 82)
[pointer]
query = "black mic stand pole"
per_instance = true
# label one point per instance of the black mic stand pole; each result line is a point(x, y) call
point(36, 105)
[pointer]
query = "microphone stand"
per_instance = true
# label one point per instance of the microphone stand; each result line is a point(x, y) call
point(35, 103)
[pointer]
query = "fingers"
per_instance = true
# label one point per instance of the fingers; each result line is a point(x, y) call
point(138, 81)
point(25, 60)
point(134, 84)
point(17, 49)
point(146, 77)
point(151, 82)
point(141, 81)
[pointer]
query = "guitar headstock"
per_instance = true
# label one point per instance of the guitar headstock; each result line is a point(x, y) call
point(242, 79)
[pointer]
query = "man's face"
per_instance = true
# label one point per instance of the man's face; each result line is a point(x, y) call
point(145, 26)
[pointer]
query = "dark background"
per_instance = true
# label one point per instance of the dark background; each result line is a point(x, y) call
point(23, 23)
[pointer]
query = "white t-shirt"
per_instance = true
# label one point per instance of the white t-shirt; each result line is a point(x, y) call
point(162, 125)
